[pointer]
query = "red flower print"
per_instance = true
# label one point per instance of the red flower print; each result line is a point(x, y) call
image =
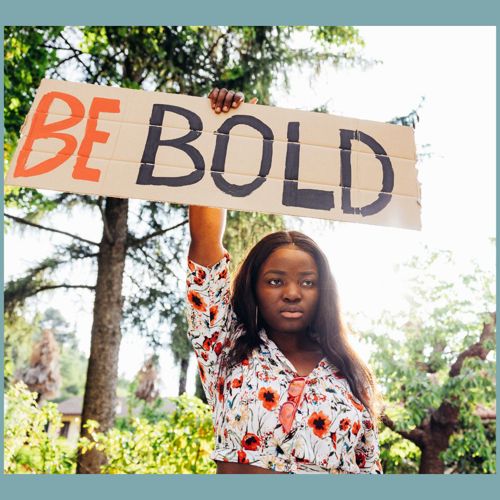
point(269, 398)
point(202, 372)
point(198, 281)
point(188, 283)
point(250, 442)
point(196, 301)
point(355, 428)
point(242, 457)
point(320, 423)
point(338, 375)
point(237, 382)
point(218, 348)
point(191, 265)
point(201, 274)
point(360, 459)
point(214, 310)
point(345, 423)
point(223, 274)
point(207, 344)
point(220, 388)
point(368, 424)
point(355, 403)
point(333, 436)
point(204, 355)
point(244, 362)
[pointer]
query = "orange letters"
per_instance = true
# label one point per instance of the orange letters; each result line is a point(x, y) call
point(99, 105)
point(41, 130)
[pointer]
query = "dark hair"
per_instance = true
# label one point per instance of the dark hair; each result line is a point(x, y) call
point(327, 325)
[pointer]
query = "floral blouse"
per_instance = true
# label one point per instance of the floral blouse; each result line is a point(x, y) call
point(332, 431)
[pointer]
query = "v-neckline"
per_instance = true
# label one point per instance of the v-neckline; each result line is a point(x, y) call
point(286, 361)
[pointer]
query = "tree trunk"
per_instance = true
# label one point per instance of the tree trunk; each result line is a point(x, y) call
point(199, 392)
point(183, 375)
point(100, 390)
point(436, 440)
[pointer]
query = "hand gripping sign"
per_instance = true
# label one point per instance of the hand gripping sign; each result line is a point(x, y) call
point(108, 141)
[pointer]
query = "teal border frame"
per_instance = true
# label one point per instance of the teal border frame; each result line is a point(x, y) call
point(258, 12)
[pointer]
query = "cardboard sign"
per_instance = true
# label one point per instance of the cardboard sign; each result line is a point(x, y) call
point(108, 141)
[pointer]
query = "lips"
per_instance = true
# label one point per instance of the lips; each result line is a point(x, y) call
point(291, 312)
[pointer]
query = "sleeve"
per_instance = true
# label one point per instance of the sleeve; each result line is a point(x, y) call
point(367, 450)
point(209, 319)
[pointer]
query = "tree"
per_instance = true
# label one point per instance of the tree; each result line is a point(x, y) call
point(147, 381)
point(436, 364)
point(147, 240)
point(181, 347)
point(43, 375)
point(22, 333)
point(18, 343)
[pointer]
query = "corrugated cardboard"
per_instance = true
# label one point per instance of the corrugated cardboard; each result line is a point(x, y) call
point(174, 148)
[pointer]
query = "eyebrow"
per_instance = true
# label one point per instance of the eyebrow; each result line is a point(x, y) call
point(282, 273)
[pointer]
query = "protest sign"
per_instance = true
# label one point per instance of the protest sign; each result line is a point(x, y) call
point(110, 141)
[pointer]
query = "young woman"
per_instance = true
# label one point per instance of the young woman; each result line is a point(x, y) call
point(289, 394)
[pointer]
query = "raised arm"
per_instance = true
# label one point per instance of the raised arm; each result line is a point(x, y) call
point(207, 225)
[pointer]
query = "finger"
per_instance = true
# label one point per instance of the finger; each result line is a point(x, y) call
point(238, 99)
point(253, 100)
point(220, 100)
point(228, 101)
point(213, 96)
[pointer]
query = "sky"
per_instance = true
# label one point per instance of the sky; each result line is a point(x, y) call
point(453, 69)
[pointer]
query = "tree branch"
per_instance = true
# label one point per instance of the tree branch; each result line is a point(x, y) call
point(137, 242)
point(477, 350)
point(415, 435)
point(52, 287)
point(77, 53)
point(485, 413)
point(39, 226)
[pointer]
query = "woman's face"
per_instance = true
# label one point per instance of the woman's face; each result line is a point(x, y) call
point(287, 290)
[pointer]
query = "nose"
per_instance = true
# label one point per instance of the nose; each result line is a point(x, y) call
point(292, 293)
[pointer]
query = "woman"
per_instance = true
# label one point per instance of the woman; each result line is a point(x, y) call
point(289, 394)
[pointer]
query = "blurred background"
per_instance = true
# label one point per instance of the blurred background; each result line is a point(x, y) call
point(420, 304)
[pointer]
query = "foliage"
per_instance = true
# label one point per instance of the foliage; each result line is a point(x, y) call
point(176, 443)
point(26, 61)
point(73, 372)
point(414, 353)
point(179, 444)
point(28, 448)
point(246, 229)
point(398, 455)
point(20, 335)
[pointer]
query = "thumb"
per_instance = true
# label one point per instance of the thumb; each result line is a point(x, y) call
point(253, 100)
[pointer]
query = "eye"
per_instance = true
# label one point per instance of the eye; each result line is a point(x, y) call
point(274, 282)
point(308, 283)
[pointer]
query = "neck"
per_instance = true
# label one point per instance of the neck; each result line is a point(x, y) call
point(293, 342)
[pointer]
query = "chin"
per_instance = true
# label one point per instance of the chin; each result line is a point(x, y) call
point(288, 328)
